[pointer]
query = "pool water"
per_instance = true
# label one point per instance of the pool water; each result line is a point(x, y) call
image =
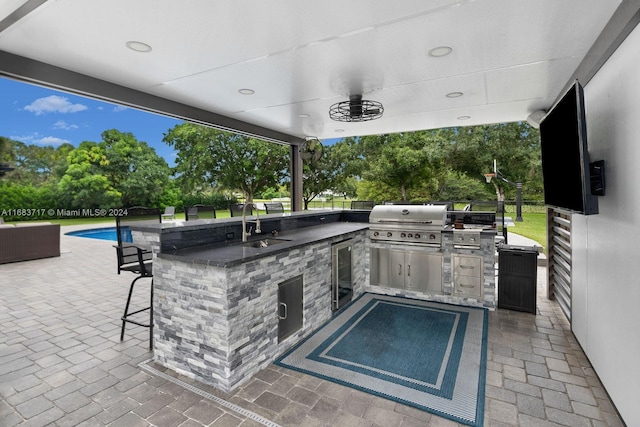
point(107, 233)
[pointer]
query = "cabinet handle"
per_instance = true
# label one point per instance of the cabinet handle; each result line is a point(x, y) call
point(467, 267)
point(409, 270)
point(285, 311)
point(399, 269)
point(467, 286)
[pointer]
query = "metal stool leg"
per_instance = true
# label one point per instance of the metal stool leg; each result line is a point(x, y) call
point(127, 314)
point(126, 308)
point(151, 318)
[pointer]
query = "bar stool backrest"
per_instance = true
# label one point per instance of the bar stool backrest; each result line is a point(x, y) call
point(274, 207)
point(201, 212)
point(236, 209)
point(130, 257)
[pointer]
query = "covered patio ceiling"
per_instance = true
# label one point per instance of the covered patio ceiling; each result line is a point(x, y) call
point(274, 68)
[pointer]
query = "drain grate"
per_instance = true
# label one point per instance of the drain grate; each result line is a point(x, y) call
point(235, 408)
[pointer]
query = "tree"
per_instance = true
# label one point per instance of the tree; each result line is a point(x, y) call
point(134, 169)
point(515, 146)
point(210, 157)
point(36, 164)
point(84, 185)
point(118, 171)
point(397, 160)
point(327, 173)
point(445, 164)
point(6, 153)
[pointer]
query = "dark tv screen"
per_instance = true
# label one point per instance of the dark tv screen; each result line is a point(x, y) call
point(565, 159)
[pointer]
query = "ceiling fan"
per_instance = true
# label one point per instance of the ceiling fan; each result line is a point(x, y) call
point(356, 109)
point(311, 150)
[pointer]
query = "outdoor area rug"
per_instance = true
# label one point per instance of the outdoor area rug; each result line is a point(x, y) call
point(424, 354)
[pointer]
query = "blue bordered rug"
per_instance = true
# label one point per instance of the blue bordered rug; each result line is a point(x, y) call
point(424, 354)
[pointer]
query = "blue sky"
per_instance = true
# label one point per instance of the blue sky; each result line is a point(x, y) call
point(36, 115)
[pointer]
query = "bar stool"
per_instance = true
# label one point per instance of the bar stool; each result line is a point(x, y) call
point(136, 259)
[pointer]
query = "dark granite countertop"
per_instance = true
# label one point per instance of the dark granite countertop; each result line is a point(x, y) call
point(237, 253)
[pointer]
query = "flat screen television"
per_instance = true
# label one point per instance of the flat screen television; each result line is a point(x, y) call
point(565, 158)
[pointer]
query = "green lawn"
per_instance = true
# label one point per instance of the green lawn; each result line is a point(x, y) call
point(533, 226)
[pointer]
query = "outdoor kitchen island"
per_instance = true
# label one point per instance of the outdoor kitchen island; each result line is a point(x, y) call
point(217, 307)
point(217, 311)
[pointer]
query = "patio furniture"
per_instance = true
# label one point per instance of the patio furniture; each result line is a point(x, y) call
point(200, 212)
point(169, 213)
point(190, 213)
point(274, 207)
point(138, 260)
point(28, 241)
point(236, 209)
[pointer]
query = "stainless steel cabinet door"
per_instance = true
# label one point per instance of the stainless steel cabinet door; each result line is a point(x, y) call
point(387, 268)
point(396, 269)
point(289, 307)
point(423, 271)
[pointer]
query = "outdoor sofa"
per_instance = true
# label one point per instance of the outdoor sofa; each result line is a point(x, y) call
point(27, 241)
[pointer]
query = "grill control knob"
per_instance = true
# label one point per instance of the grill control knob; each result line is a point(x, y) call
point(432, 237)
point(409, 235)
point(376, 234)
point(389, 234)
point(403, 235)
point(417, 236)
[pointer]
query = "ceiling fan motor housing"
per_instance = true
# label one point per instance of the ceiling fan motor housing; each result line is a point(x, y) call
point(355, 105)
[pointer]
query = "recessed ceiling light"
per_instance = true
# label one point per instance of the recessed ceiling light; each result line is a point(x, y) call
point(439, 51)
point(454, 94)
point(464, 117)
point(247, 91)
point(138, 46)
point(304, 116)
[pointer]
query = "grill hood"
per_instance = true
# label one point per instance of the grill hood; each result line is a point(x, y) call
point(421, 216)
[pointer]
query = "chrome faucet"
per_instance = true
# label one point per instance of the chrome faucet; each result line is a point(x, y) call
point(246, 233)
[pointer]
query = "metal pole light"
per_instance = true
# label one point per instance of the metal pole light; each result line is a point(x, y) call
point(519, 201)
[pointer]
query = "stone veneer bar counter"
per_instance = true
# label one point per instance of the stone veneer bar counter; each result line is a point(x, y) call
point(216, 299)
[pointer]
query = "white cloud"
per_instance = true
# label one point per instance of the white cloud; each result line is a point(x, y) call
point(119, 108)
point(38, 139)
point(61, 124)
point(52, 140)
point(53, 104)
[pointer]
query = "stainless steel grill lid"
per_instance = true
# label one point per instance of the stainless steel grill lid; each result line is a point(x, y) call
point(415, 216)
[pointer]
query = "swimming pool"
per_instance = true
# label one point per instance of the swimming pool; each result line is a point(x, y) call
point(107, 233)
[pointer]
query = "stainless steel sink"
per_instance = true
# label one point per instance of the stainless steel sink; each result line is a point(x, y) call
point(263, 243)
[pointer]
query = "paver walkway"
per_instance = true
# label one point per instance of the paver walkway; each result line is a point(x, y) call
point(62, 364)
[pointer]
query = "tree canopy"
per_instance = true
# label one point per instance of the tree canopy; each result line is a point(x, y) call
point(445, 164)
point(119, 170)
point(215, 158)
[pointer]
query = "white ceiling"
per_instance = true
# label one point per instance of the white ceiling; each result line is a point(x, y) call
point(509, 58)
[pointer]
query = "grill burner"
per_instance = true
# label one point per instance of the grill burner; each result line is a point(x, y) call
point(408, 224)
point(466, 239)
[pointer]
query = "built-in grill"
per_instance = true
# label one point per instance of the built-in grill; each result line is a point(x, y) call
point(408, 224)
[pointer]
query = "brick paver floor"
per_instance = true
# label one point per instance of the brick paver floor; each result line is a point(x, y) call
point(62, 364)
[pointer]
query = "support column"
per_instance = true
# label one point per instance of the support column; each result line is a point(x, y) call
point(296, 178)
